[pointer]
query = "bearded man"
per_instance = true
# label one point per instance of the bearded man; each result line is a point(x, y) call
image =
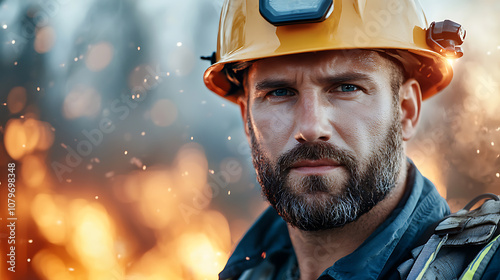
point(329, 92)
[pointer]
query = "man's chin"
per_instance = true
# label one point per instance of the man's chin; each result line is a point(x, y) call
point(310, 211)
point(317, 197)
point(315, 185)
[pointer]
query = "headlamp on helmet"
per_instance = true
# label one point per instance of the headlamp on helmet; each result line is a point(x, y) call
point(445, 37)
point(282, 12)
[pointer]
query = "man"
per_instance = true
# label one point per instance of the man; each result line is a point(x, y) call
point(329, 93)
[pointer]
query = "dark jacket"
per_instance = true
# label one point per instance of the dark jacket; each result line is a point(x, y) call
point(266, 252)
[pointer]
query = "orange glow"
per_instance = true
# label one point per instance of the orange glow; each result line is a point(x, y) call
point(24, 136)
point(204, 247)
point(196, 250)
point(15, 139)
point(45, 39)
point(33, 171)
point(156, 204)
point(93, 234)
point(157, 265)
point(128, 191)
point(51, 266)
point(49, 215)
point(199, 254)
point(16, 100)
point(99, 56)
point(216, 226)
point(32, 131)
point(46, 138)
point(195, 246)
point(433, 171)
point(192, 167)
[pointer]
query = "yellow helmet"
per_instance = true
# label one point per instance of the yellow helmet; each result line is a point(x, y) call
point(255, 29)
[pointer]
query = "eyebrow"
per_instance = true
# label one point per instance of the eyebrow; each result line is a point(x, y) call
point(273, 83)
point(335, 79)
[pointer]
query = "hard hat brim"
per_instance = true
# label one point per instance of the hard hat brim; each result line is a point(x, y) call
point(438, 76)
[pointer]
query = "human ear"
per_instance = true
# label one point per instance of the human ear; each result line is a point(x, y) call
point(410, 102)
point(242, 101)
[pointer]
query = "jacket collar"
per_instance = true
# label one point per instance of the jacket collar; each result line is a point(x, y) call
point(267, 238)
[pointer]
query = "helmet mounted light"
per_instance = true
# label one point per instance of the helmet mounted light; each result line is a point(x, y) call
point(445, 37)
point(283, 12)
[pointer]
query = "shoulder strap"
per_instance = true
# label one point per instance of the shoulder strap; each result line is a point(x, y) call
point(457, 239)
point(477, 267)
point(426, 256)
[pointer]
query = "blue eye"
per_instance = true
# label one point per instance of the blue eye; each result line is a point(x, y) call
point(281, 92)
point(348, 88)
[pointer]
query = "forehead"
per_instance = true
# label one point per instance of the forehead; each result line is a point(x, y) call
point(336, 61)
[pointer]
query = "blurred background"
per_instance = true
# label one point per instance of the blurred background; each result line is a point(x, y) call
point(127, 167)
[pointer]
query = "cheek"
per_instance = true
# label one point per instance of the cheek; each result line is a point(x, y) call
point(272, 128)
point(378, 125)
point(363, 128)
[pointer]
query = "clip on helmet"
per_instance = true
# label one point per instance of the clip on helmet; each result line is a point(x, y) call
point(256, 29)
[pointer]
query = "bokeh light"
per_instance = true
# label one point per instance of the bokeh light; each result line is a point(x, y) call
point(15, 138)
point(44, 39)
point(93, 237)
point(82, 101)
point(99, 56)
point(51, 266)
point(16, 99)
point(33, 170)
point(163, 113)
point(49, 213)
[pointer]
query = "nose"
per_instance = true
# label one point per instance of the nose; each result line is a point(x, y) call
point(312, 120)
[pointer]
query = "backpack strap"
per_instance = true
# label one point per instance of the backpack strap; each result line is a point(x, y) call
point(457, 239)
point(477, 267)
point(426, 256)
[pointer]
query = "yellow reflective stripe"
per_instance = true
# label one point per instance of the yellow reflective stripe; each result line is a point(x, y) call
point(472, 268)
point(432, 257)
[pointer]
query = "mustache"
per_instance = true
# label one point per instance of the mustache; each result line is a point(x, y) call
point(314, 151)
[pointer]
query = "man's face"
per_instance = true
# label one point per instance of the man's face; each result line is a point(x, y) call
point(325, 133)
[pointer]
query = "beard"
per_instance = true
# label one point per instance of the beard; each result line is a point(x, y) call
point(315, 202)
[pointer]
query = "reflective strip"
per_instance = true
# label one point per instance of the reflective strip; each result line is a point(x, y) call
point(474, 265)
point(432, 257)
